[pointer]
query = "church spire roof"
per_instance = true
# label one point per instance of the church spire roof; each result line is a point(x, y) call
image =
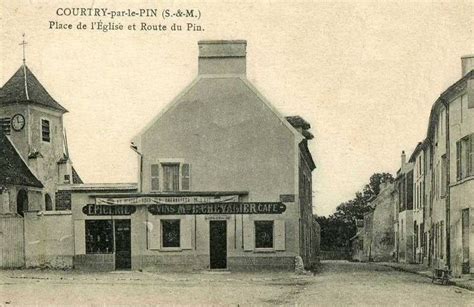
point(24, 87)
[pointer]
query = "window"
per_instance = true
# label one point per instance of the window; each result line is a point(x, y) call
point(99, 237)
point(263, 234)
point(444, 178)
point(170, 230)
point(155, 177)
point(409, 190)
point(441, 242)
point(465, 157)
point(67, 179)
point(48, 204)
point(470, 155)
point(5, 125)
point(170, 177)
point(45, 132)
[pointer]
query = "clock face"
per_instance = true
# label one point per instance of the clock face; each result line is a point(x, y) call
point(18, 122)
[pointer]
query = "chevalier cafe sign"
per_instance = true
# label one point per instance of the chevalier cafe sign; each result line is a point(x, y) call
point(192, 205)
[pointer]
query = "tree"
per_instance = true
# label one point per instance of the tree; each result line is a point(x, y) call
point(338, 228)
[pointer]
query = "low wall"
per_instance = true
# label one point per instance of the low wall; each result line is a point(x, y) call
point(95, 262)
point(49, 240)
point(336, 255)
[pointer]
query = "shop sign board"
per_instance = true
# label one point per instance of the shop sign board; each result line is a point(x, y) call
point(98, 210)
point(151, 200)
point(219, 208)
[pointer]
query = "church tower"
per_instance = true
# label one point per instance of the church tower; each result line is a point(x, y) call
point(33, 122)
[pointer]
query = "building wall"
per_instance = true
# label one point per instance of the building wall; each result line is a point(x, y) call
point(438, 214)
point(383, 242)
point(406, 236)
point(46, 168)
point(418, 206)
point(233, 142)
point(193, 254)
point(461, 189)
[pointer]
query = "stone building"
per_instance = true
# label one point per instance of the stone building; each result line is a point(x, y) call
point(436, 189)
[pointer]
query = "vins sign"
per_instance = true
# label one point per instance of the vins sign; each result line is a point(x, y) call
point(218, 208)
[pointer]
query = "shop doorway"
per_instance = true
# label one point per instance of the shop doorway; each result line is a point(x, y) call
point(218, 244)
point(123, 254)
point(465, 241)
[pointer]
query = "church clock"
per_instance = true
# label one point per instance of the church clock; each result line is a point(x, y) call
point(18, 122)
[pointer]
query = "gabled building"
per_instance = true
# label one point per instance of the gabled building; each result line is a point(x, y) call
point(224, 183)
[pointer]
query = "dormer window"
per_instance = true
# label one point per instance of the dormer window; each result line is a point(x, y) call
point(45, 131)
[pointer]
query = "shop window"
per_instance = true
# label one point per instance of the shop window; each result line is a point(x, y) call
point(170, 230)
point(45, 131)
point(263, 234)
point(48, 203)
point(99, 236)
point(170, 177)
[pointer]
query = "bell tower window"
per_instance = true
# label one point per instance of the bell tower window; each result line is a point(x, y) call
point(45, 131)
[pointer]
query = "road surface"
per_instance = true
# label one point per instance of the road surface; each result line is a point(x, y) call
point(337, 283)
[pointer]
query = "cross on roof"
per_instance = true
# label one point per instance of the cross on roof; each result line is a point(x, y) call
point(24, 43)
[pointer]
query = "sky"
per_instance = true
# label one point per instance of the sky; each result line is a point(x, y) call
point(364, 74)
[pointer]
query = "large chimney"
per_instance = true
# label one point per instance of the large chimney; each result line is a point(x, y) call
point(467, 63)
point(404, 158)
point(222, 57)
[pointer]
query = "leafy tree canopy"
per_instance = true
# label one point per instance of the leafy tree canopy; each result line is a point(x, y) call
point(338, 228)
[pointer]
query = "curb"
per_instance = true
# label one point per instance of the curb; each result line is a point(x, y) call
point(451, 283)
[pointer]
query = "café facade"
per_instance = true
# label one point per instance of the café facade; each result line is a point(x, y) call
point(224, 182)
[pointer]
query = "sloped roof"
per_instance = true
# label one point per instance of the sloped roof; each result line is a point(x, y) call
point(31, 91)
point(75, 177)
point(13, 170)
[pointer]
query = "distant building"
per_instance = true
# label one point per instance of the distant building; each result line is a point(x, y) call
point(374, 240)
point(404, 204)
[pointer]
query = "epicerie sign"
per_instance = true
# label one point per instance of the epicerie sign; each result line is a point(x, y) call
point(100, 210)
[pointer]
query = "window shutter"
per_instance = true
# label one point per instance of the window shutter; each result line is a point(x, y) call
point(470, 94)
point(185, 177)
point(248, 231)
point(280, 235)
point(186, 232)
point(471, 155)
point(80, 235)
point(154, 232)
point(458, 159)
point(155, 177)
